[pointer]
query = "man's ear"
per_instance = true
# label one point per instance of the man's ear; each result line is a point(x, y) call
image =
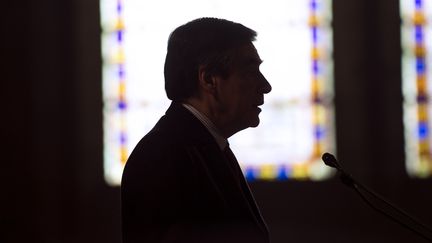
point(207, 82)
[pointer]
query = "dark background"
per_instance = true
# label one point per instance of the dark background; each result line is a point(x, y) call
point(52, 186)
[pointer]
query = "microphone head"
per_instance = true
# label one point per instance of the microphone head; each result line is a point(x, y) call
point(330, 160)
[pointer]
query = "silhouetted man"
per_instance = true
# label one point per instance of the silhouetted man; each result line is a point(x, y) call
point(182, 183)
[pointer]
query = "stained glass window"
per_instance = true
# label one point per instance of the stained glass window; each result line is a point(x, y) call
point(295, 42)
point(417, 84)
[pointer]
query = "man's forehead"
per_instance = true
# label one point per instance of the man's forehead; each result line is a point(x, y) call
point(248, 55)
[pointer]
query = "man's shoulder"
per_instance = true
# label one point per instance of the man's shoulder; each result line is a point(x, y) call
point(171, 140)
point(158, 142)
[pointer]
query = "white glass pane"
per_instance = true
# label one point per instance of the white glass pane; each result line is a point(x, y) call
point(297, 120)
point(416, 32)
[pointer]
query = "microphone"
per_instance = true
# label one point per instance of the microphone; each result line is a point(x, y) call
point(415, 226)
point(330, 160)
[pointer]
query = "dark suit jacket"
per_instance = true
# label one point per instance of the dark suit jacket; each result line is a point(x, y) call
point(178, 186)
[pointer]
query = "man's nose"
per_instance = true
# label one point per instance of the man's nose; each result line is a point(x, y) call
point(266, 87)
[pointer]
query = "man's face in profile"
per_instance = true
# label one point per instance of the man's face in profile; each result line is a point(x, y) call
point(243, 90)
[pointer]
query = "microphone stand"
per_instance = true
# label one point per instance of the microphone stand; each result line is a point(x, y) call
point(349, 181)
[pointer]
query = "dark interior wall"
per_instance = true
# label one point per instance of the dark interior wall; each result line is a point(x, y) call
point(54, 186)
point(53, 180)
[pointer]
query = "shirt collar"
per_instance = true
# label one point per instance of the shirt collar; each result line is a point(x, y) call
point(220, 140)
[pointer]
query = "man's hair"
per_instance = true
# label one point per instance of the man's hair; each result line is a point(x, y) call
point(206, 42)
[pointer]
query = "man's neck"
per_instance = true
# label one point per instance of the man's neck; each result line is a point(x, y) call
point(211, 112)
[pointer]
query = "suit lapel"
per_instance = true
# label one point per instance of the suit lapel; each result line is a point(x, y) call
point(227, 175)
point(246, 190)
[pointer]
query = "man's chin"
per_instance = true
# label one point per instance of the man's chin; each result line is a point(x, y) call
point(255, 123)
point(251, 123)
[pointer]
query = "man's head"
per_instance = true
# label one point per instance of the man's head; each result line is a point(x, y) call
point(202, 42)
point(213, 64)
